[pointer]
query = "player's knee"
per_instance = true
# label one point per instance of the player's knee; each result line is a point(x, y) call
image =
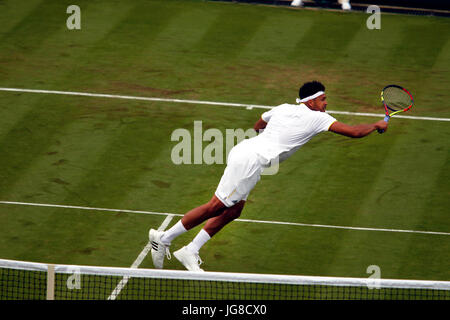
point(236, 214)
point(215, 207)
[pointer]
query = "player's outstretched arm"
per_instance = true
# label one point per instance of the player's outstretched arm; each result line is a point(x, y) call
point(359, 130)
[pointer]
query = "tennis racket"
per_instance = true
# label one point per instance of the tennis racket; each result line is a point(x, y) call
point(395, 100)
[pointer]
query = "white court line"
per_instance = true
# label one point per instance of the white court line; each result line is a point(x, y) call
point(138, 260)
point(241, 220)
point(226, 104)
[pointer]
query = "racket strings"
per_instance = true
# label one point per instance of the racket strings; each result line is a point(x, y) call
point(396, 98)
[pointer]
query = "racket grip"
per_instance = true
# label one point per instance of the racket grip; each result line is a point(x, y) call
point(386, 118)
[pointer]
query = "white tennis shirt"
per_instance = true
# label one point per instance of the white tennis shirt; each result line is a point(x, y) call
point(288, 128)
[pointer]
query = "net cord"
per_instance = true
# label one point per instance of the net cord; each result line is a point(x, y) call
point(228, 276)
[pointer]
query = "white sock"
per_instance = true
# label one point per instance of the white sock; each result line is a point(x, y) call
point(200, 239)
point(173, 232)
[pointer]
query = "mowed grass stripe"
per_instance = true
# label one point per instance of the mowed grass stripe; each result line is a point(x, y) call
point(399, 196)
point(369, 48)
point(59, 50)
point(124, 51)
point(230, 32)
point(411, 61)
point(54, 56)
point(347, 177)
point(43, 111)
point(324, 189)
point(182, 33)
point(416, 54)
point(35, 131)
point(136, 30)
point(108, 180)
point(416, 62)
point(438, 200)
point(45, 115)
point(434, 83)
point(98, 186)
point(36, 123)
point(74, 193)
point(110, 247)
point(317, 47)
point(157, 62)
point(56, 169)
point(407, 177)
point(277, 37)
point(31, 30)
point(359, 89)
point(12, 13)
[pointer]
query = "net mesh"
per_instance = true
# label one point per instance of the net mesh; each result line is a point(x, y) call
point(20, 280)
point(396, 98)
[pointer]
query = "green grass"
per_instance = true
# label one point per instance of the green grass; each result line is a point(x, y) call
point(116, 153)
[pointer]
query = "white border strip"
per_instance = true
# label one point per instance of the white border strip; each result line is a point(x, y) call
point(231, 276)
point(214, 103)
point(115, 96)
point(241, 220)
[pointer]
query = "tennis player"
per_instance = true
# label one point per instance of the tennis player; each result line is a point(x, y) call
point(286, 128)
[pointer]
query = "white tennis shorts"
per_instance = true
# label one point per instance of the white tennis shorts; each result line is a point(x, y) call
point(241, 174)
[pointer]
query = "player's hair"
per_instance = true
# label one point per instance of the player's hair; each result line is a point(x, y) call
point(310, 88)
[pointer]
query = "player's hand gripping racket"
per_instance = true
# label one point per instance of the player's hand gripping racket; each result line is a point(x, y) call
point(395, 100)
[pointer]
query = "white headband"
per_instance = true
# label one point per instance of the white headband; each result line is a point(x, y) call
point(315, 95)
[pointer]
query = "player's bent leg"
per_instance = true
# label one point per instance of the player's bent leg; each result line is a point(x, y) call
point(161, 240)
point(202, 213)
point(215, 224)
point(188, 255)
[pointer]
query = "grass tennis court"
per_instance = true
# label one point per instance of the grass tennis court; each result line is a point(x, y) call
point(114, 153)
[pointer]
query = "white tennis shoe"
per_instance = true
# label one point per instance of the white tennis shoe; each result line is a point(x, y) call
point(190, 260)
point(297, 3)
point(159, 249)
point(346, 6)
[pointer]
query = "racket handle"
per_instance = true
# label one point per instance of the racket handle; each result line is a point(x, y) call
point(386, 118)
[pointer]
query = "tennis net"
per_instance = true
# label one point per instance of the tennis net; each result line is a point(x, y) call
point(26, 280)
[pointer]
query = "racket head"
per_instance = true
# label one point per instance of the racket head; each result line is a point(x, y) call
point(396, 99)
